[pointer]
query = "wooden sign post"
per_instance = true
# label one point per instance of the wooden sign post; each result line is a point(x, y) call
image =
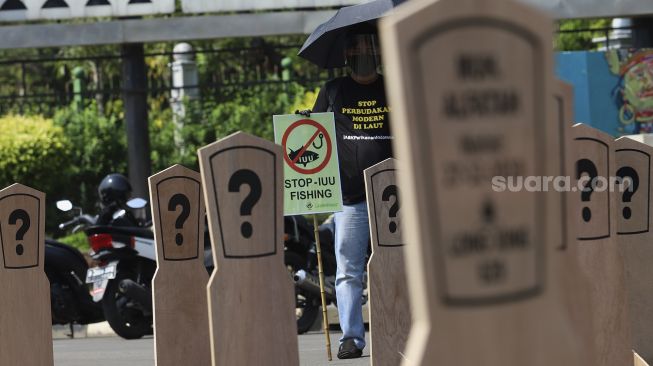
point(471, 85)
point(181, 313)
point(596, 236)
point(25, 319)
point(252, 311)
point(634, 235)
point(388, 293)
point(573, 282)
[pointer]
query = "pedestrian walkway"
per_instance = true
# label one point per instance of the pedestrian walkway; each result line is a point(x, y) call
point(111, 351)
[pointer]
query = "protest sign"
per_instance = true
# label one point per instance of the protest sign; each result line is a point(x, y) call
point(310, 169)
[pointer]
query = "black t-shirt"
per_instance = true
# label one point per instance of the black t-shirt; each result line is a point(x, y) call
point(362, 129)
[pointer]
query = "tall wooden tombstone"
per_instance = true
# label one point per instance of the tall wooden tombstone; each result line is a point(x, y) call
point(574, 283)
point(25, 318)
point(470, 83)
point(634, 236)
point(181, 313)
point(594, 212)
point(388, 293)
point(251, 302)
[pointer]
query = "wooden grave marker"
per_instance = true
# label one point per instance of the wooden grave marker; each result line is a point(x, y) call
point(599, 256)
point(634, 237)
point(388, 292)
point(251, 297)
point(25, 318)
point(471, 86)
point(573, 282)
point(181, 313)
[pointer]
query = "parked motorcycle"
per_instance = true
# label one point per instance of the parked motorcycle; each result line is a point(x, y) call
point(123, 247)
point(122, 282)
point(66, 269)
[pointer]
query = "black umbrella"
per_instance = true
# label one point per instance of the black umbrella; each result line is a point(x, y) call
point(325, 47)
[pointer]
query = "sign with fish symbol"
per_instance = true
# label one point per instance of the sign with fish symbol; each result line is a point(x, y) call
point(311, 170)
point(305, 152)
point(305, 158)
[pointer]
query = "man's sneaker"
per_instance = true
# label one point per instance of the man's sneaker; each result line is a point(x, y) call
point(348, 349)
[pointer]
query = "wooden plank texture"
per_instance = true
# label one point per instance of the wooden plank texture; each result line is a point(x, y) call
point(573, 282)
point(181, 312)
point(594, 211)
point(25, 319)
point(471, 85)
point(251, 297)
point(388, 292)
point(634, 236)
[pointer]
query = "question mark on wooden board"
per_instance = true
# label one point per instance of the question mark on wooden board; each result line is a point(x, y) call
point(586, 166)
point(391, 191)
point(240, 177)
point(629, 192)
point(176, 201)
point(23, 216)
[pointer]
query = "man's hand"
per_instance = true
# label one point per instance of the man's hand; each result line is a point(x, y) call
point(305, 112)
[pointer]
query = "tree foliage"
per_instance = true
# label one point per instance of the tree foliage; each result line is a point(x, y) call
point(577, 34)
point(33, 151)
point(249, 110)
point(97, 147)
point(242, 89)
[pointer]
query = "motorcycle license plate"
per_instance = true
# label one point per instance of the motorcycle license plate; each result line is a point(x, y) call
point(100, 274)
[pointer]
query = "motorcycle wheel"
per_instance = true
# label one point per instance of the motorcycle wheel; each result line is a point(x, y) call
point(126, 320)
point(307, 306)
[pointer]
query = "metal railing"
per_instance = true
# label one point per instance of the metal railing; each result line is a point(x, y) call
point(47, 82)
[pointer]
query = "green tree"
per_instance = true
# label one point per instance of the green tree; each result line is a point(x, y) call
point(98, 147)
point(34, 152)
point(241, 109)
point(577, 34)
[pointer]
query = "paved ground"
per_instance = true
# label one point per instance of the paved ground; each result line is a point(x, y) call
point(111, 351)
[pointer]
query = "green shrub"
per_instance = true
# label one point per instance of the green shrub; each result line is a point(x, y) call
point(77, 240)
point(249, 110)
point(98, 147)
point(33, 151)
point(305, 101)
point(36, 153)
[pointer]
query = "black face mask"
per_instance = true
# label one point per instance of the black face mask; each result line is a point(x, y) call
point(362, 65)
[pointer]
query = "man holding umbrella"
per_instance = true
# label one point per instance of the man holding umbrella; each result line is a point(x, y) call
point(363, 133)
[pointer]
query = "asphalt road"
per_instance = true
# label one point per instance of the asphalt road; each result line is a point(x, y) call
point(112, 351)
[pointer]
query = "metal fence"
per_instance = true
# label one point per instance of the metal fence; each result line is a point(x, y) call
point(54, 78)
point(44, 83)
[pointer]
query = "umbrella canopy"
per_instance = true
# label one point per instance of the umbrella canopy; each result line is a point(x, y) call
point(325, 47)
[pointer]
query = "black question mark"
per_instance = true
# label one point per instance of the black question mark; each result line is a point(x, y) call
point(391, 191)
point(586, 166)
point(23, 216)
point(632, 188)
point(246, 176)
point(180, 200)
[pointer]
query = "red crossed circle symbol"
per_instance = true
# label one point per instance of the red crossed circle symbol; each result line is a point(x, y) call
point(319, 130)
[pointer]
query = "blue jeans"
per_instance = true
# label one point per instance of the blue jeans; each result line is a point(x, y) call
point(352, 238)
